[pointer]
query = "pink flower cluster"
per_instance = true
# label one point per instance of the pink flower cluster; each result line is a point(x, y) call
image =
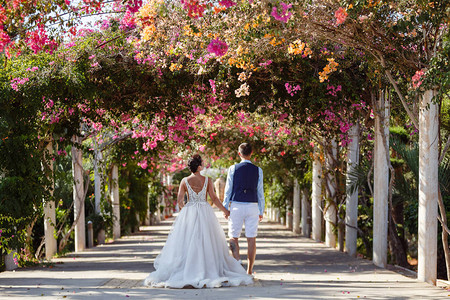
point(212, 83)
point(16, 82)
point(227, 3)
point(340, 15)
point(143, 164)
point(198, 110)
point(150, 59)
point(292, 90)
point(202, 60)
point(332, 90)
point(266, 63)
point(194, 7)
point(133, 5)
point(38, 40)
point(284, 15)
point(128, 21)
point(4, 38)
point(218, 47)
point(417, 79)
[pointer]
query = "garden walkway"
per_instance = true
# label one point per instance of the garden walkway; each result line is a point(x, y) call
point(288, 267)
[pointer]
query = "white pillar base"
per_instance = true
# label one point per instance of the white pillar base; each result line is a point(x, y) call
point(9, 261)
point(316, 197)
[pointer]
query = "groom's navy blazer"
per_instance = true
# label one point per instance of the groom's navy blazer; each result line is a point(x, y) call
point(245, 185)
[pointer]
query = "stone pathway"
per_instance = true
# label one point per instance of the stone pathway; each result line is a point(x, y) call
point(287, 267)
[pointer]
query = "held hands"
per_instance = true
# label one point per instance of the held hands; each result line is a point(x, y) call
point(260, 218)
point(226, 214)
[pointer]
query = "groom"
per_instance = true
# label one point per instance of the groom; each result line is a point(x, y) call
point(244, 198)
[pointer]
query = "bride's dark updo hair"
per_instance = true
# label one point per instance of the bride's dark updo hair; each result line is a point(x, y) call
point(194, 162)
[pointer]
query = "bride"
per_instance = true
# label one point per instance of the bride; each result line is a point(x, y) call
point(196, 252)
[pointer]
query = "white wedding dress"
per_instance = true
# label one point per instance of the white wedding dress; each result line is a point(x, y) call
point(196, 252)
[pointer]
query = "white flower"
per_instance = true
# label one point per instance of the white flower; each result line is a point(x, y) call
point(242, 90)
point(201, 70)
point(243, 76)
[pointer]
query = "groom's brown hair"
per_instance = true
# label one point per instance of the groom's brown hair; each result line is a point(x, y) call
point(245, 149)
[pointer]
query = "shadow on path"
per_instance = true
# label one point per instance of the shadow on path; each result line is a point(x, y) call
point(287, 267)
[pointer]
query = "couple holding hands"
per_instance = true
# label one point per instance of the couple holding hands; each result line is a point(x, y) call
point(196, 253)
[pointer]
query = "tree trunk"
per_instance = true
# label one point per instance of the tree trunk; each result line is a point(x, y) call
point(351, 212)
point(316, 196)
point(396, 247)
point(428, 188)
point(381, 182)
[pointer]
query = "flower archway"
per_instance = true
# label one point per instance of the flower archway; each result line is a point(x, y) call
point(156, 79)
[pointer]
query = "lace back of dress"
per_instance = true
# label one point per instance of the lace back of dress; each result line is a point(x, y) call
point(193, 196)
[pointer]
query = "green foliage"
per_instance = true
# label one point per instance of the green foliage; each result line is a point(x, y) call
point(12, 233)
point(154, 194)
point(134, 190)
point(276, 192)
point(400, 133)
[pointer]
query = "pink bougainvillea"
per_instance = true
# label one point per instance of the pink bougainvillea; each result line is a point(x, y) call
point(340, 15)
point(213, 85)
point(128, 21)
point(194, 7)
point(417, 79)
point(292, 90)
point(16, 82)
point(218, 47)
point(38, 40)
point(4, 38)
point(284, 15)
point(133, 5)
point(143, 163)
point(227, 3)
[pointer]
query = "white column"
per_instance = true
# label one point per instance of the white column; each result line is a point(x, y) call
point(305, 225)
point(330, 213)
point(381, 182)
point(49, 211)
point(428, 188)
point(78, 196)
point(98, 156)
point(97, 180)
point(316, 196)
point(115, 201)
point(351, 202)
point(296, 208)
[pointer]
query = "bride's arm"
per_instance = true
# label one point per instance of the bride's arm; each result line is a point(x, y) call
point(181, 192)
point(215, 199)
